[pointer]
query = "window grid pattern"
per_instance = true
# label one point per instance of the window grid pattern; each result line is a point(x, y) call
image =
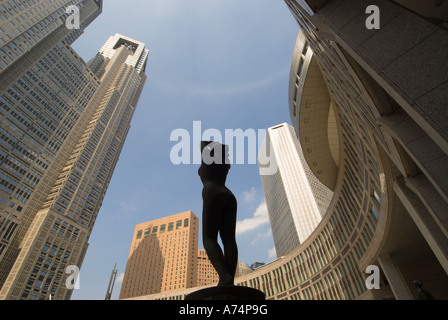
point(163, 256)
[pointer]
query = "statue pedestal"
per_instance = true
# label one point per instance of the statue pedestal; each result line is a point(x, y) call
point(227, 293)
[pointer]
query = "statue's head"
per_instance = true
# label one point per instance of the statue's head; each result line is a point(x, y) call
point(215, 162)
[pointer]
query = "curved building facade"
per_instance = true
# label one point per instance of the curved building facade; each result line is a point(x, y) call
point(369, 108)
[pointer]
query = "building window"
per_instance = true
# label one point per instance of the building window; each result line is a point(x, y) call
point(170, 226)
point(299, 71)
point(186, 223)
point(146, 232)
point(375, 213)
point(139, 234)
point(376, 196)
point(162, 228)
point(178, 224)
point(305, 48)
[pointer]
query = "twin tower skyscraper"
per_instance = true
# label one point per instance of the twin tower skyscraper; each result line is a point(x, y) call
point(63, 123)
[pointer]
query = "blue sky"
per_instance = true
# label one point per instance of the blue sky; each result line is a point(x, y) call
point(224, 63)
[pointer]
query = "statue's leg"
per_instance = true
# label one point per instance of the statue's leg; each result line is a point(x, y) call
point(212, 210)
point(228, 236)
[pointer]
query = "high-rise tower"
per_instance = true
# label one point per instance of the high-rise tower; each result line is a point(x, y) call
point(63, 124)
point(31, 29)
point(296, 200)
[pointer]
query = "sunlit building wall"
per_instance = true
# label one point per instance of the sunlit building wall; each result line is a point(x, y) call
point(295, 199)
point(163, 256)
point(207, 274)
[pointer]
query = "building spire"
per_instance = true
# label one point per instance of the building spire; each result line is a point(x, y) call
point(110, 287)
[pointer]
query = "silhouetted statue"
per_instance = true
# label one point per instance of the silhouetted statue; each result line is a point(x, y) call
point(219, 211)
point(422, 293)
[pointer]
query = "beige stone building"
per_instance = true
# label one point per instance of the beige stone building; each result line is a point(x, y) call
point(207, 274)
point(163, 256)
point(243, 269)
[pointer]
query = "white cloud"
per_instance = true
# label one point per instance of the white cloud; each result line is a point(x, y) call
point(262, 235)
point(272, 253)
point(249, 196)
point(120, 278)
point(259, 218)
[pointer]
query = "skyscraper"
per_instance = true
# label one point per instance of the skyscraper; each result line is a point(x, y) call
point(30, 29)
point(163, 256)
point(63, 124)
point(296, 200)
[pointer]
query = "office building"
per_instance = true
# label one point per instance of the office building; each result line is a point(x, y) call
point(379, 96)
point(295, 199)
point(163, 256)
point(207, 274)
point(30, 29)
point(164, 262)
point(63, 125)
